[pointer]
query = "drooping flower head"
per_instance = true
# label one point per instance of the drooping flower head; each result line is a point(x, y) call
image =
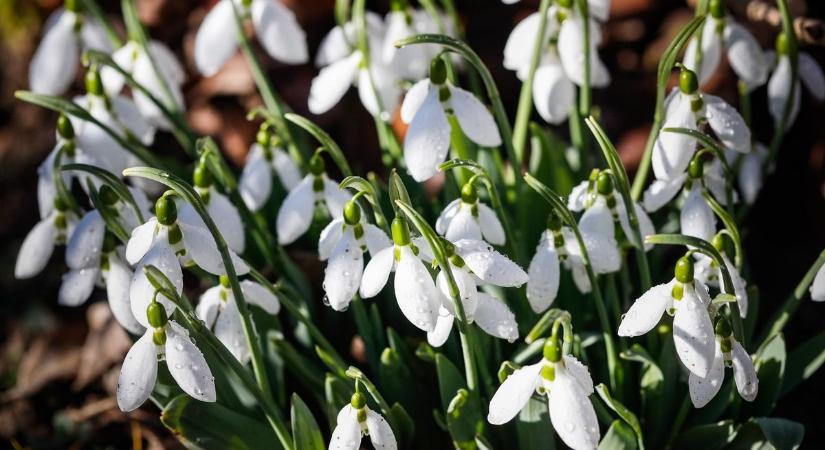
point(265, 157)
point(782, 81)
point(354, 421)
point(468, 218)
point(220, 208)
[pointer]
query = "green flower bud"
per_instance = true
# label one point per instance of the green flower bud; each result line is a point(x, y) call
point(156, 314)
point(68, 148)
point(398, 5)
point(469, 194)
point(224, 281)
point(400, 231)
point(718, 242)
point(717, 9)
point(166, 211)
point(159, 337)
point(59, 204)
point(263, 137)
point(438, 71)
point(316, 165)
point(683, 271)
point(108, 195)
point(94, 85)
point(782, 44)
point(723, 327)
point(64, 127)
point(565, 3)
point(70, 5)
point(604, 184)
point(548, 373)
point(553, 221)
point(202, 177)
point(696, 168)
point(358, 401)
point(352, 213)
point(688, 83)
point(552, 351)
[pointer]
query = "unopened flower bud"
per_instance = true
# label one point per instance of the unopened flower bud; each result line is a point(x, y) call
point(688, 83)
point(604, 184)
point(469, 194)
point(156, 314)
point(202, 176)
point(263, 137)
point(94, 84)
point(166, 211)
point(781, 44)
point(438, 71)
point(224, 281)
point(352, 213)
point(358, 401)
point(717, 9)
point(552, 350)
point(683, 272)
point(64, 127)
point(316, 165)
point(696, 169)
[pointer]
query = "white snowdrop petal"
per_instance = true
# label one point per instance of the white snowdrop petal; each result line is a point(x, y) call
point(744, 373)
point(414, 99)
point(702, 390)
point(118, 281)
point(279, 32)
point(518, 50)
point(779, 91)
point(577, 200)
point(130, 118)
point(334, 46)
point(693, 334)
point(229, 330)
point(375, 238)
point(141, 290)
point(295, 214)
point(750, 175)
point(711, 52)
point(491, 227)
point(187, 364)
point(330, 236)
point(553, 93)
point(474, 118)
point(342, 276)
point(141, 240)
point(696, 217)
point(513, 394)
point(137, 374)
point(285, 167)
point(818, 286)
point(463, 226)
point(215, 41)
point(36, 250)
point(54, 64)
point(332, 82)
point(113, 81)
point(85, 244)
point(579, 372)
point(347, 432)
point(467, 289)
point(378, 79)
point(93, 35)
point(258, 295)
point(544, 275)
point(811, 75)
point(495, 318)
point(489, 265)
point(209, 305)
point(672, 151)
point(427, 139)
point(740, 286)
point(745, 55)
point(646, 311)
point(255, 183)
point(446, 216)
point(571, 412)
point(415, 291)
point(228, 220)
point(77, 286)
point(600, 9)
point(727, 124)
point(441, 332)
point(581, 279)
point(380, 432)
point(335, 198)
point(377, 272)
point(598, 233)
point(661, 192)
point(201, 247)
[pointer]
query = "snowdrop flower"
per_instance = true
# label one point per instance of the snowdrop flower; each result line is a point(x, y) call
point(136, 62)
point(567, 384)
point(67, 32)
point(219, 311)
point(779, 85)
point(750, 176)
point(685, 108)
point(163, 339)
point(562, 53)
point(266, 156)
point(298, 208)
point(219, 207)
point(687, 300)
point(37, 248)
point(468, 218)
point(818, 286)
point(709, 175)
point(728, 353)
point(410, 62)
point(343, 243)
point(343, 64)
point(357, 419)
point(710, 274)
point(425, 108)
point(598, 230)
point(490, 313)
point(275, 26)
point(160, 242)
point(416, 293)
point(721, 33)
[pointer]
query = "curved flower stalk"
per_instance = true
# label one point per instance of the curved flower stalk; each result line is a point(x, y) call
point(781, 81)
point(135, 61)
point(425, 109)
point(55, 62)
point(488, 267)
point(709, 273)
point(567, 384)
point(686, 108)
point(354, 421)
point(164, 339)
point(343, 64)
point(219, 207)
point(416, 293)
point(561, 65)
point(166, 242)
point(343, 243)
point(275, 25)
point(721, 34)
point(728, 353)
point(298, 208)
point(402, 22)
point(265, 156)
point(468, 218)
point(687, 300)
point(219, 311)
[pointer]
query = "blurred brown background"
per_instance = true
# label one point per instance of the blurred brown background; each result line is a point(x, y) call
point(58, 366)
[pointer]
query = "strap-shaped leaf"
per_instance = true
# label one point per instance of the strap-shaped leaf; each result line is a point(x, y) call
point(305, 431)
point(325, 139)
point(623, 412)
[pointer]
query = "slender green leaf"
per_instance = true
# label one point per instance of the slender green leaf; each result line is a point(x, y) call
point(325, 139)
point(803, 362)
point(305, 431)
point(618, 437)
point(623, 412)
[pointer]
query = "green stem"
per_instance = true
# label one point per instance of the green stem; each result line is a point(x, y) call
point(584, 93)
point(93, 9)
